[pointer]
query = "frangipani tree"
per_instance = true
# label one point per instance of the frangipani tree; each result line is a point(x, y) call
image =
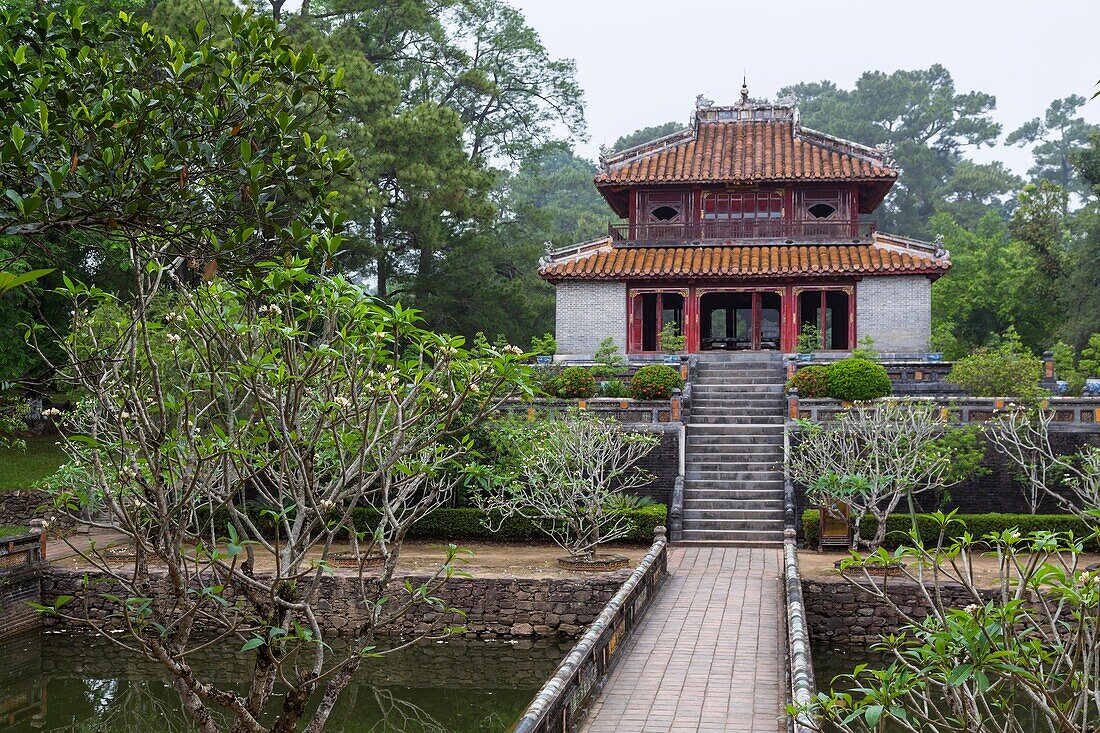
point(1018, 657)
point(292, 390)
point(875, 455)
point(1023, 435)
point(577, 465)
point(239, 368)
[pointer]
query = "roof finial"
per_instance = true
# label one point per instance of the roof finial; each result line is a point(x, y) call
point(745, 89)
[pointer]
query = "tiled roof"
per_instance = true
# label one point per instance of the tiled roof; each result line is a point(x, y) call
point(608, 262)
point(746, 151)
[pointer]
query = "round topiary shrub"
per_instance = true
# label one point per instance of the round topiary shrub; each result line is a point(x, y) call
point(576, 383)
point(811, 382)
point(655, 382)
point(857, 380)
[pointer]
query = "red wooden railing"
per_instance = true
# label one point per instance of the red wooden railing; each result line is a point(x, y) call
point(743, 229)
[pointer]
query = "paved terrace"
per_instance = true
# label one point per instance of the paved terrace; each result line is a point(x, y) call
point(708, 657)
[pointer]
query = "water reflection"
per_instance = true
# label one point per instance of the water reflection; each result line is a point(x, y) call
point(82, 684)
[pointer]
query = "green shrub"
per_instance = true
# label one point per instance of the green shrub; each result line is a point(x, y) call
point(809, 339)
point(898, 525)
point(670, 338)
point(655, 382)
point(546, 378)
point(1075, 385)
point(576, 383)
point(811, 382)
point(614, 388)
point(469, 524)
point(1007, 370)
point(544, 345)
point(1090, 357)
point(858, 380)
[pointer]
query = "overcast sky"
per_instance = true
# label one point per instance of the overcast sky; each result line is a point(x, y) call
point(641, 62)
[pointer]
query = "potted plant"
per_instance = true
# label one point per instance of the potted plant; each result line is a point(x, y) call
point(809, 341)
point(544, 347)
point(671, 341)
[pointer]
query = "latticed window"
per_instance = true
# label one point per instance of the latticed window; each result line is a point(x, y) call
point(741, 205)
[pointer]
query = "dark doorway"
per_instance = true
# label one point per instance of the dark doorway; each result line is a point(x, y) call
point(830, 311)
point(735, 321)
point(657, 309)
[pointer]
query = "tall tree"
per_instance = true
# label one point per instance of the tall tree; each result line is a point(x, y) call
point(974, 189)
point(646, 134)
point(921, 115)
point(491, 284)
point(1055, 137)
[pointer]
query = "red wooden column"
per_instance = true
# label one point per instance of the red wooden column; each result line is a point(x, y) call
point(691, 321)
point(788, 322)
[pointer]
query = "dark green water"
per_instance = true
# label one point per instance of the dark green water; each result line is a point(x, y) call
point(66, 682)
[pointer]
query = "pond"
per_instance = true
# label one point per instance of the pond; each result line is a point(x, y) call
point(74, 682)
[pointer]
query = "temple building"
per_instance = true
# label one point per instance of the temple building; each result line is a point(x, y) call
point(740, 230)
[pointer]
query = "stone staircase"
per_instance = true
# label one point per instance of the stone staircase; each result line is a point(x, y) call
point(733, 488)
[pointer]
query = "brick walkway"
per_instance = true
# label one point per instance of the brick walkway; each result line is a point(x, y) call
point(707, 657)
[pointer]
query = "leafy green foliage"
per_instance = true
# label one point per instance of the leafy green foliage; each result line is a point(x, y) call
point(1090, 357)
point(921, 114)
point(608, 359)
point(898, 527)
point(144, 103)
point(1007, 370)
point(615, 388)
point(655, 382)
point(809, 339)
point(1055, 138)
point(576, 383)
point(545, 345)
point(670, 339)
point(645, 135)
point(811, 382)
point(857, 380)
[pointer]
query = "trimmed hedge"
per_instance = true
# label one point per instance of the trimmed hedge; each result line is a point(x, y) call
point(466, 524)
point(811, 382)
point(576, 383)
point(655, 382)
point(858, 380)
point(979, 525)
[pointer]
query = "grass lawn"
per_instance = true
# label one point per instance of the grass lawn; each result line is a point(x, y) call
point(12, 530)
point(22, 469)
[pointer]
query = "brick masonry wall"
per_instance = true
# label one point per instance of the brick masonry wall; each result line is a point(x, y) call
point(664, 463)
point(495, 607)
point(587, 313)
point(896, 311)
point(998, 491)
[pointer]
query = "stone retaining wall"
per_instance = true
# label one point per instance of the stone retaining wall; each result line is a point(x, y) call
point(837, 611)
point(494, 607)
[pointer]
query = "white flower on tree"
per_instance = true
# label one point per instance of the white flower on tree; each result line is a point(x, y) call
point(578, 465)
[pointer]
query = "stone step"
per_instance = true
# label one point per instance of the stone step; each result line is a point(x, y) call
point(736, 479)
point(734, 380)
point(732, 456)
point(739, 429)
point(726, 418)
point(728, 499)
point(700, 441)
point(737, 538)
point(740, 357)
point(743, 471)
point(768, 514)
point(709, 408)
point(766, 543)
point(733, 390)
point(746, 400)
point(771, 504)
